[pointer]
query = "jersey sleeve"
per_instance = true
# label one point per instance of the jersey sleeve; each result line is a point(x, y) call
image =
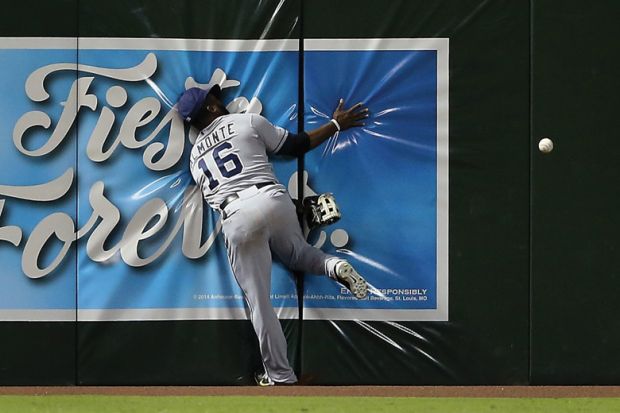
point(295, 145)
point(272, 136)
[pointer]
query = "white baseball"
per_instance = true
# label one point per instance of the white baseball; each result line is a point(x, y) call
point(545, 145)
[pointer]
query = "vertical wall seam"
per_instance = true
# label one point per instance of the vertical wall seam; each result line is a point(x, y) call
point(531, 184)
point(300, 179)
point(77, 177)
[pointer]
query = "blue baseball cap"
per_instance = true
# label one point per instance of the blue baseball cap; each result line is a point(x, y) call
point(191, 101)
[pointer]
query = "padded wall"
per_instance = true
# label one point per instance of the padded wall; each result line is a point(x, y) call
point(41, 351)
point(575, 276)
point(199, 351)
point(486, 338)
point(490, 262)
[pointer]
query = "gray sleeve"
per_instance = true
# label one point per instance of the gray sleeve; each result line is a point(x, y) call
point(272, 136)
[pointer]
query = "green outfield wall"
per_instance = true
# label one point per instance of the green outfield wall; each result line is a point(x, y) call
point(532, 247)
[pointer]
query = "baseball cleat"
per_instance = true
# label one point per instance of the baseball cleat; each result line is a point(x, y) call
point(263, 380)
point(346, 274)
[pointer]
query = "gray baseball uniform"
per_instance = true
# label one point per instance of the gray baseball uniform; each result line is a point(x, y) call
point(229, 163)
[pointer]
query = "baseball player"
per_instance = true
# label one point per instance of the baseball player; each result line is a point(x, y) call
point(229, 162)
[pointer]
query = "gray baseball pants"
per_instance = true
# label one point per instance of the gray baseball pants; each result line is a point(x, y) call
point(253, 227)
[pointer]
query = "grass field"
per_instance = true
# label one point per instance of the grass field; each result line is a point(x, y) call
point(260, 404)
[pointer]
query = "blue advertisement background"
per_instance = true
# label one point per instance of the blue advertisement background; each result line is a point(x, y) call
point(383, 175)
point(58, 290)
point(174, 281)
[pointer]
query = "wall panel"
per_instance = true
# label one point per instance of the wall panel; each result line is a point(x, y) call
point(485, 339)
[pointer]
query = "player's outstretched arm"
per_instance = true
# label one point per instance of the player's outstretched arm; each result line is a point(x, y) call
point(341, 120)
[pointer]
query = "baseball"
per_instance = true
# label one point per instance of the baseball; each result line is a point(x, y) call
point(545, 145)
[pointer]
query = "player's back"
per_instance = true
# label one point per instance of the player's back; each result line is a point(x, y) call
point(231, 154)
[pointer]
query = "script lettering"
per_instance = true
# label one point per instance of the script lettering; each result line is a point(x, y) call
point(134, 132)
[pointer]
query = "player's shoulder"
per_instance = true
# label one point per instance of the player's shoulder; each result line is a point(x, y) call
point(235, 116)
point(238, 118)
point(258, 121)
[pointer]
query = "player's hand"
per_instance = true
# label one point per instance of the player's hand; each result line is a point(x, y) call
point(354, 116)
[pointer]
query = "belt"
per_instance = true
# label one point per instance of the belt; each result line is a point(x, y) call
point(234, 197)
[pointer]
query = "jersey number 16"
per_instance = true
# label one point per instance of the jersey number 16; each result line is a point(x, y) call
point(229, 165)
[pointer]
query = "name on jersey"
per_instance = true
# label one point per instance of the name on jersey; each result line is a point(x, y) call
point(218, 135)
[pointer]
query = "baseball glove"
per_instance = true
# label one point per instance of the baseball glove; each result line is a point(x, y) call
point(320, 210)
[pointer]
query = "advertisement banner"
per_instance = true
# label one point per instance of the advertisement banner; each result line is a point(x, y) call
point(99, 212)
point(37, 191)
point(389, 177)
point(148, 247)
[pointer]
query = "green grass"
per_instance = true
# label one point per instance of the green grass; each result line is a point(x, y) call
point(229, 404)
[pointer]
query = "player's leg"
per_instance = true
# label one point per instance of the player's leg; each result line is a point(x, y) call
point(289, 244)
point(250, 259)
point(287, 241)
